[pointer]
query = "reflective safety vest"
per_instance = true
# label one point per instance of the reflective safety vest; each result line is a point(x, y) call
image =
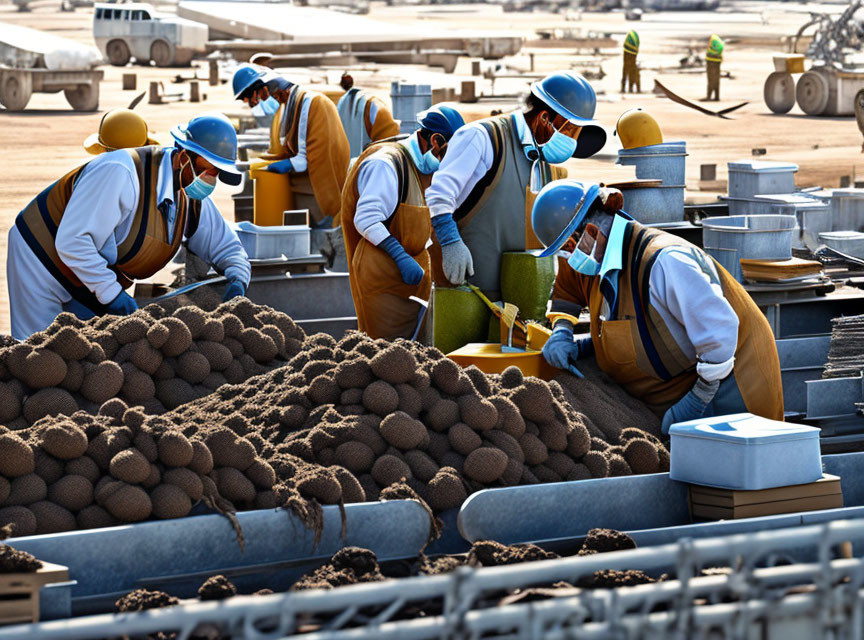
point(715, 49)
point(631, 43)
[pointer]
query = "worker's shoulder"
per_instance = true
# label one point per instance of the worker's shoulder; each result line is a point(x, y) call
point(116, 162)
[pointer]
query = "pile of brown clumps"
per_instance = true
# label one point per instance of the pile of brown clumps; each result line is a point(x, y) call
point(151, 359)
point(339, 422)
point(15, 561)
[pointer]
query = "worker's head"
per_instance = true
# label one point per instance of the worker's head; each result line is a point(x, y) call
point(575, 218)
point(247, 83)
point(207, 151)
point(119, 129)
point(560, 113)
point(437, 126)
point(638, 128)
point(346, 81)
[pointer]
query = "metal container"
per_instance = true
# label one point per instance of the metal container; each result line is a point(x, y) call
point(761, 237)
point(847, 210)
point(813, 215)
point(409, 100)
point(849, 242)
point(261, 243)
point(748, 206)
point(650, 205)
point(748, 178)
point(665, 161)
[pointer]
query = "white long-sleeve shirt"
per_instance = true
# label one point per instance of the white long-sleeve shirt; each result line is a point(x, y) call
point(378, 186)
point(100, 213)
point(298, 161)
point(469, 157)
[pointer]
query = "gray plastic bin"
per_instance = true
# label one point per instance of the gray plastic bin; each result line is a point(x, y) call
point(814, 217)
point(762, 237)
point(748, 178)
point(261, 243)
point(666, 162)
point(849, 242)
point(651, 205)
point(847, 210)
point(409, 100)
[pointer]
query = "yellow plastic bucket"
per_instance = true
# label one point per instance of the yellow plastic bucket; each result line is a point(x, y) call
point(488, 358)
point(272, 196)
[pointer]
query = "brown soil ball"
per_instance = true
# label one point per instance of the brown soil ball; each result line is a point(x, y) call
point(103, 381)
point(69, 344)
point(477, 413)
point(553, 435)
point(322, 485)
point(193, 317)
point(578, 441)
point(130, 466)
point(232, 326)
point(443, 415)
point(106, 445)
point(267, 500)
point(71, 492)
point(179, 337)
point(146, 357)
point(175, 450)
point(94, 517)
point(641, 456)
point(26, 490)
point(114, 408)
point(422, 466)
point(235, 373)
point(214, 381)
point(534, 449)
point(380, 397)
point(97, 352)
point(175, 392)
point(261, 474)
point(446, 490)
point(409, 400)
point(561, 464)
point(618, 466)
point(545, 474)
point(509, 419)
point(389, 469)
point(125, 502)
point(258, 345)
point(512, 378)
point(64, 440)
point(10, 402)
point(352, 490)
point(16, 456)
point(49, 402)
point(52, 518)
point(202, 459)
point(83, 466)
point(165, 371)
point(663, 455)
point(485, 464)
point(216, 588)
point(534, 400)
point(74, 376)
point(42, 368)
point(47, 467)
point(187, 480)
point(404, 432)
point(5, 489)
point(513, 473)
point(22, 518)
point(230, 450)
point(429, 397)
point(597, 464)
point(447, 376)
point(137, 385)
point(234, 485)
point(579, 472)
point(324, 390)
point(129, 330)
point(355, 456)
point(146, 444)
point(170, 501)
point(219, 357)
point(463, 438)
point(370, 487)
point(395, 364)
point(154, 478)
point(193, 367)
point(233, 346)
point(213, 331)
point(454, 460)
point(507, 443)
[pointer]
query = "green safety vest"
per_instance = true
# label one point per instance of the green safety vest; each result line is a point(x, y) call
point(715, 49)
point(631, 43)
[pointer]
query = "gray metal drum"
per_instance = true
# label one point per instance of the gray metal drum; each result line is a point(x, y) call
point(665, 161)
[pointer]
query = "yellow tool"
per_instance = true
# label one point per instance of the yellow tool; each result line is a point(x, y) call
point(498, 311)
point(508, 317)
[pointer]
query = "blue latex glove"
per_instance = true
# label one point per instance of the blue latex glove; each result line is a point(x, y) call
point(122, 305)
point(79, 310)
point(282, 166)
point(234, 289)
point(456, 260)
point(692, 406)
point(412, 273)
point(560, 348)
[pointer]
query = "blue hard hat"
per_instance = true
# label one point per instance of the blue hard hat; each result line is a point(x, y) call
point(441, 119)
point(245, 76)
point(211, 136)
point(570, 95)
point(559, 210)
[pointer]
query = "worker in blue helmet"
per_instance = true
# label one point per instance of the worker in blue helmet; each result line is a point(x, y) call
point(667, 322)
point(121, 217)
point(385, 222)
point(247, 85)
point(480, 196)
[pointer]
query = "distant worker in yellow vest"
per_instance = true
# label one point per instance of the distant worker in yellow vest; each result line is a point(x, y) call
point(713, 59)
point(121, 217)
point(306, 137)
point(387, 227)
point(668, 323)
point(365, 118)
point(630, 75)
point(119, 129)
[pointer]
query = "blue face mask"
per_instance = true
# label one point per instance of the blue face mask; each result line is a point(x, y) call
point(560, 148)
point(583, 263)
point(198, 189)
point(269, 106)
point(426, 162)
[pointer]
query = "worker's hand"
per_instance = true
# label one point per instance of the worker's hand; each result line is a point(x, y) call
point(235, 289)
point(456, 260)
point(411, 271)
point(692, 406)
point(281, 166)
point(122, 305)
point(612, 199)
point(560, 349)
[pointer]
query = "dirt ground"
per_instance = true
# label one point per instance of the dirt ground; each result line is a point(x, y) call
point(39, 145)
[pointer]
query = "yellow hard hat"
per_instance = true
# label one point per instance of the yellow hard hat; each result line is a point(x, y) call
point(637, 128)
point(119, 129)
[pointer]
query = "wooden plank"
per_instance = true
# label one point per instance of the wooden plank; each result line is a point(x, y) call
point(731, 497)
point(710, 512)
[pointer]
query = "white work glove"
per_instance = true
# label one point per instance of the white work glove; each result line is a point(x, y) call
point(457, 263)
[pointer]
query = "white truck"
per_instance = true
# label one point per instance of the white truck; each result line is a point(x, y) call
point(127, 30)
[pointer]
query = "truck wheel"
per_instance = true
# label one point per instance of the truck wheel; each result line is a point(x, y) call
point(160, 53)
point(84, 97)
point(118, 53)
point(779, 92)
point(812, 93)
point(16, 90)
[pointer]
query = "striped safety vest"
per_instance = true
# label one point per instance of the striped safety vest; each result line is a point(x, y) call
point(631, 43)
point(715, 49)
point(149, 246)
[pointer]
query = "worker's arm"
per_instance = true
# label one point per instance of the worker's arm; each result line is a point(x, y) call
point(298, 161)
point(469, 156)
point(215, 241)
point(103, 199)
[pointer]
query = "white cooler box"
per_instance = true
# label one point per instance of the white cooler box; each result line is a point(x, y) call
point(743, 451)
point(265, 243)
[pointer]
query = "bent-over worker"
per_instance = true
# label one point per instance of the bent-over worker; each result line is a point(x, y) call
point(306, 137)
point(713, 60)
point(478, 197)
point(668, 323)
point(119, 129)
point(630, 76)
point(386, 225)
point(364, 117)
point(120, 217)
